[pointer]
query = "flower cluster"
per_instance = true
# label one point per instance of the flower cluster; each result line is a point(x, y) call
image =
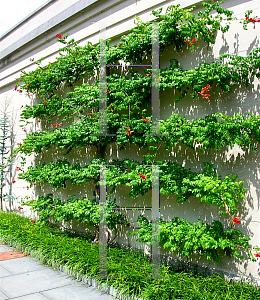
point(16, 89)
point(57, 125)
point(128, 131)
point(235, 220)
point(146, 120)
point(191, 44)
point(142, 176)
point(205, 90)
point(253, 20)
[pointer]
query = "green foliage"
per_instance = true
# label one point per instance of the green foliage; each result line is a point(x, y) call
point(212, 132)
point(174, 179)
point(128, 101)
point(185, 238)
point(134, 91)
point(82, 210)
point(128, 271)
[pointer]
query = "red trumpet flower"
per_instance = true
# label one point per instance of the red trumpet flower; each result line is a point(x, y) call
point(253, 20)
point(205, 90)
point(128, 131)
point(145, 120)
point(142, 176)
point(193, 42)
point(235, 220)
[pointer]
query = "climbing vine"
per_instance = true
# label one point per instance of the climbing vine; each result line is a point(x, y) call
point(72, 120)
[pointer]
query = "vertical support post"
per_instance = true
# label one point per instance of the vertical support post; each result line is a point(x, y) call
point(155, 79)
point(155, 223)
point(102, 225)
point(103, 85)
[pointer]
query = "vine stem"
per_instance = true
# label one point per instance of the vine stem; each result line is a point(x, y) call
point(226, 207)
point(158, 149)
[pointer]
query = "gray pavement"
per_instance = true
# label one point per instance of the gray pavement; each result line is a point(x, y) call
point(26, 279)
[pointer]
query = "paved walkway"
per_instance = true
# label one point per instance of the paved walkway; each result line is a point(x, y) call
point(24, 278)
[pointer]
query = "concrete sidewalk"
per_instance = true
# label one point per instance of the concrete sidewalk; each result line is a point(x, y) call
point(24, 278)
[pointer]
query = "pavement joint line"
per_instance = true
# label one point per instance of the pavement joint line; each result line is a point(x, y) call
point(45, 296)
point(4, 293)
point(42, 291)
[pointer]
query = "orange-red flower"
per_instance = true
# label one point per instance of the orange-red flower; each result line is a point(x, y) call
point(235, 220)
point(32, 221)
point(128, 131)
point(13, 180)
point(15, 88)
point(31, 59)
point(142, 176)
point(257, 255)
point(18, 168)
point(56, 125)
point(205, 90)
point(193, 42)
point(19, 207)
point(28, 85)
point(59, 36)
point(91, 115)
point(253, 20)
point(44, 102)
point(145, 120)
point(19, 144)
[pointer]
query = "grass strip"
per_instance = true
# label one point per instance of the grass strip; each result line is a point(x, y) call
point(125, 268)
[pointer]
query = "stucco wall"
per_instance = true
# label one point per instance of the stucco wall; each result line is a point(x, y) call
point(118, 17)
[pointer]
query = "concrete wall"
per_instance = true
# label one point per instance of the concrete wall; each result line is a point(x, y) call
point(83, 20)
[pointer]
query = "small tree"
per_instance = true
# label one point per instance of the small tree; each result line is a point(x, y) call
point(5, 136)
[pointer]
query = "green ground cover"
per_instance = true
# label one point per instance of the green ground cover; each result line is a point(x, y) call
point(127, 268)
